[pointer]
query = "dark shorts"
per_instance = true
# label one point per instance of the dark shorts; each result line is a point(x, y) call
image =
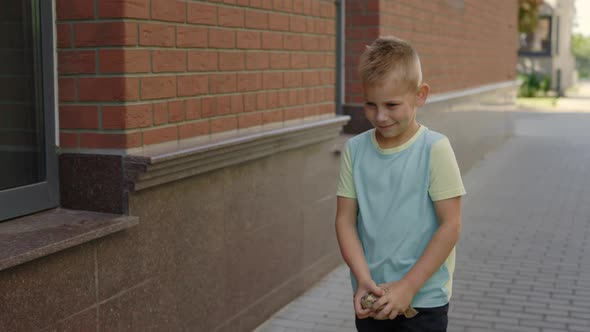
point(427, 320)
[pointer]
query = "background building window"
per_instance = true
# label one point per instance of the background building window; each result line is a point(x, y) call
point(537, 42)
point(28, 163)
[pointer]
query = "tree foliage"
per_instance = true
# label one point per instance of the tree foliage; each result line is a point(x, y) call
point(581, 51)
point(528, 15)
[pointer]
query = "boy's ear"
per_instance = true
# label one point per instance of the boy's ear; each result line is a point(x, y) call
point(422, 94)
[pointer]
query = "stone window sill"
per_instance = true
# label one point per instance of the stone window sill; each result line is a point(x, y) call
point(27, 238)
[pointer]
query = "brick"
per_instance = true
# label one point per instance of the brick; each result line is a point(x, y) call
point(230, 17)
point(159, 135)
point(105, 34)
point(310, 111)
point(272, 99)
point(249, 39)
point(272, 80)
point(160, 113)
point(156, 35)
point(298, 6)
point(67, 89)
point(272, 40)
point(187, 36)
point(124, 61)
point(201, 13)
point(78, 117)
point(311, 43)
point(169, 10)
point(223, 124)
point(311, 23)
point(249, 81)
point(124, 9)
point(249, 102)
point(327, 10)
point(126, 116)
point(202, 60)
point(292, 79)
point(278, 22)
point(108, 89)
point(272, 116)
point(110, 141)
point(219, 38)
point(249, 120)
point(299, 61)
point(176, 111)
point(193, 129)
point(280, 60)
point(307, 7)
point(231, 61)
point(157, 87)
point(256, 60)
point(193, 85)
point(169, 61)
point(282, 5)
point(292, 42)
point(223, 104)
point(222, 83)
point(315, 8)
point(298, 24)
point(193, 108)
point(256, 19)
point(64, 35)
point(267, 4)
point(237, 104)
point(68, 140)
point(76, 62)
point(74, 9)
point(261, 101)
point(311, 78)
point(208, 106)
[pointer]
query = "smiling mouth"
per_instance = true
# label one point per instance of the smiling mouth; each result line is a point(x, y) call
point(385, 127)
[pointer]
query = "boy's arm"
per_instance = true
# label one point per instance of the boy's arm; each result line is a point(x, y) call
point(400, 293)
point(352, 252)
point(448, 213)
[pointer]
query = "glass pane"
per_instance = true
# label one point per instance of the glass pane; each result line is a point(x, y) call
point(538, 41)
point(21, 111)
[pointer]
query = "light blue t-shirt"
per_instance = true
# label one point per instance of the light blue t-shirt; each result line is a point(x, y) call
point(395, 189)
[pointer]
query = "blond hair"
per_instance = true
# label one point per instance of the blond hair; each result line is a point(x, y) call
point(390, 58)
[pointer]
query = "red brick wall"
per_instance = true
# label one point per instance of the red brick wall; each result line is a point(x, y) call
point(141, 72)
point(462, 44)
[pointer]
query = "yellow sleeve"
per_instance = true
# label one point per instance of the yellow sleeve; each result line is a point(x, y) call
point(345, 182)
point(445, 176)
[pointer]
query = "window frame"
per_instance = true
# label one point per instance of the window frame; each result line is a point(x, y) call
point(43, 195)
point(549, 50)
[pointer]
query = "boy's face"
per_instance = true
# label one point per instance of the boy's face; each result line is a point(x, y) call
point(391, 107)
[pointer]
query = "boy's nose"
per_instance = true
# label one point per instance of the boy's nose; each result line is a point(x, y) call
point(381, 115)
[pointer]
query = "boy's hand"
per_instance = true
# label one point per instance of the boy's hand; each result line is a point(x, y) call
point(365, 287)
point(397, 298)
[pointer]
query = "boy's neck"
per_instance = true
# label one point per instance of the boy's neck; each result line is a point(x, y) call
point(393, 142)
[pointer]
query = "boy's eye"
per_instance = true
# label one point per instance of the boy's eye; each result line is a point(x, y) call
point(370, 105)
point(391, 105)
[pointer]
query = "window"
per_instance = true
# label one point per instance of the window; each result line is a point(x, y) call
point(537, 42)
point(28, 161)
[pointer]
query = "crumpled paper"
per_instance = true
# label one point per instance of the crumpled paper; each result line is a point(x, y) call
point(368, 300)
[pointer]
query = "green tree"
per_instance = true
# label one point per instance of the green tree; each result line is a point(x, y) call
point(528, 15)
point(581, 51)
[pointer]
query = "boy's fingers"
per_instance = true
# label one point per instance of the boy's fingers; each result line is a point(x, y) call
point(384, 313)
point(378, 291)
point(394, 314)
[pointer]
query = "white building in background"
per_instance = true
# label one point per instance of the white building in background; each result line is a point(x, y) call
point(547, 51)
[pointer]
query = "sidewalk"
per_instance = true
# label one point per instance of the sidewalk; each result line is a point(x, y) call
point(523, 262)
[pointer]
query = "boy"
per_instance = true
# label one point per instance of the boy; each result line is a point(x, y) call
point(399, 199)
